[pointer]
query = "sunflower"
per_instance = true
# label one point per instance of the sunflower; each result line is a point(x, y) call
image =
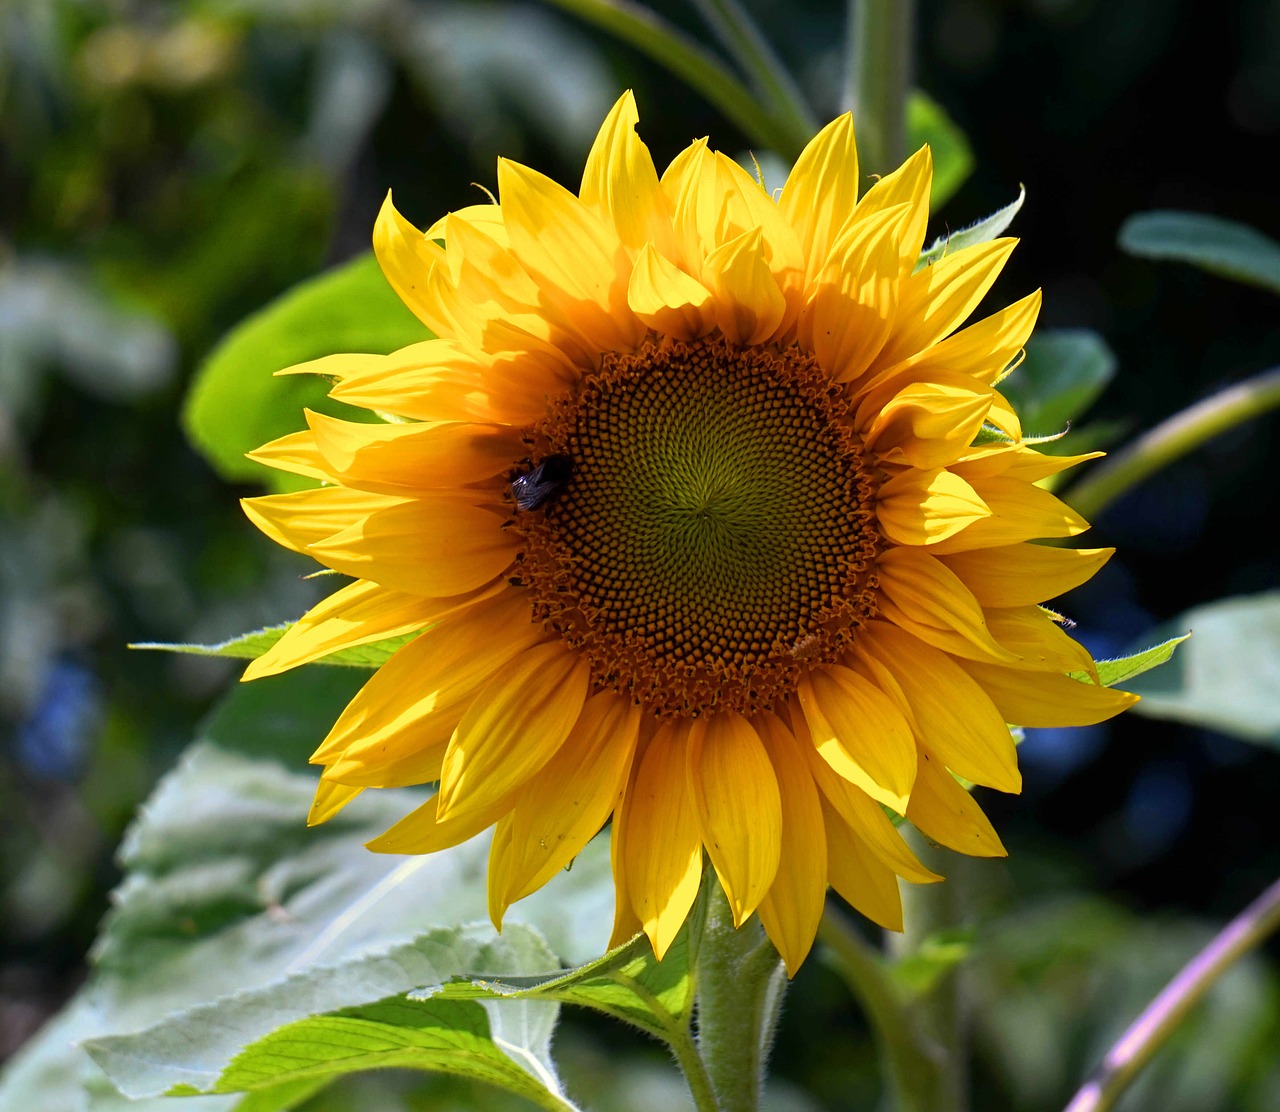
point(701, 515)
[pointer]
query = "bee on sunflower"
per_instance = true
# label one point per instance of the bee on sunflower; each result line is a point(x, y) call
point(708, 517)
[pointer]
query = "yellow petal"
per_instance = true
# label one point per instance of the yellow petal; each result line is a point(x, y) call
point(924, 597)
point(667, 300)
point(1039, 641)
point(620, 181)
point(330, 799)
point(513, 727)
point(406, 256)
point(501, 850)
point(306, 517)
point(356, 615)
point(1045, 699)
point(982, 351)
point(1016, 461)
point(792, 908)
point(421, 831)
point(858, 875)
point(928, 424)
point(626, 923)
point(941, 809)
point(570, 253)
point(822, 190)
point(1019, 512)
point(420, 764)
point(486, 217)
point(926, 507)
point(441, 381)
point(1024, 574)
point(909, 184)
point(748, 305)
point(403, 459)
point(735, 796)
point(866, 818)
point(295, 452)
point(564, 806)
point(957, 720)
point(416, 698)
point(662, 850)
point(860, 733)
point(850, 311)
point(934, 301)
point(433, 545)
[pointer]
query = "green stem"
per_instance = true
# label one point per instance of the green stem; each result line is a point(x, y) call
point(740, 36)
point(1151, 1029)
point(694, 1070)
point(1174, 438)
point(878, 78)
point(740, 987)
point(913, 1063)
point(701, 70)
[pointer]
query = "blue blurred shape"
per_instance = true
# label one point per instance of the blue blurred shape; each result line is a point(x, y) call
point(54, 742)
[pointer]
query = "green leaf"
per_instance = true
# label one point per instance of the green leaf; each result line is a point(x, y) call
point(227, 890)
point(628, 983)
point(350, 1016)
point(1124, 668)
point(236, 403)
point(250, 646)
point(1228, 675)
point(927, 122)
point(1064, 371)
point(981, 231)
point(942, 951)
point(1223, 247)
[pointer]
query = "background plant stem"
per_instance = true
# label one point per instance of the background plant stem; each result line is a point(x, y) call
point(698, 68)
point(1153, 1027)
point(879, 61)
point(912, 1063)
point(1174, 438)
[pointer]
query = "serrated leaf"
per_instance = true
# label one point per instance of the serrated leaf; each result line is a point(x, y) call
point(980, 231)
point(350, 1016)
point(1223, 247)
point(927, 122)
point(1227, 676)
point(1124, 668)
point(237, 403)
point(250, 646)
point(1064, 370)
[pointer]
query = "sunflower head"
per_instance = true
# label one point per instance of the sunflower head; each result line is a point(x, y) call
point(708, 517)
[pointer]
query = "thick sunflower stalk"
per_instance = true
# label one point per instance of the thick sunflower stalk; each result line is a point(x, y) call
point(767, 571)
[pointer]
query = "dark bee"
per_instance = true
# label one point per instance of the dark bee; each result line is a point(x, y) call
point(543, 482)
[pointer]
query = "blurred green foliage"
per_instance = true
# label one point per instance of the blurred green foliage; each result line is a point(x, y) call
point(168, 168)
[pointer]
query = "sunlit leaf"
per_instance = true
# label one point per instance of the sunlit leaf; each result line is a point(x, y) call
point(353, 1015)
point(1228, 674)
point(1124, 668)
point(980, 231)
point(629, 983)
point(250, 646)
point(237, 403)
point(1223, 247)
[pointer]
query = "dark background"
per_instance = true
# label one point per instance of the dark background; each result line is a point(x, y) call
point(167, 168)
